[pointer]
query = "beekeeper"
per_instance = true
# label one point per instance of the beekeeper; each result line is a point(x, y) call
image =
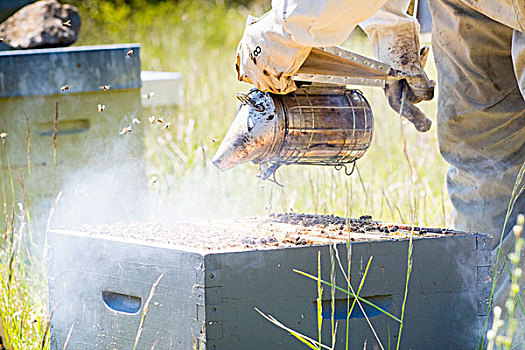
point(479, 49)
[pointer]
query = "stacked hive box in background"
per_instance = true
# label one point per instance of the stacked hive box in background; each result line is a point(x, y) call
point(93, 159)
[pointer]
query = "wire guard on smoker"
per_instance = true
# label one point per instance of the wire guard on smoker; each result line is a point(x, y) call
point(315, 125)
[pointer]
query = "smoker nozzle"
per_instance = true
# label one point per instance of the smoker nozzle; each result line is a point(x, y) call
point(251, 135)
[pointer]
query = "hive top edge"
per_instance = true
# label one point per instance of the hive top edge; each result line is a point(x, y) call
point(257, 232)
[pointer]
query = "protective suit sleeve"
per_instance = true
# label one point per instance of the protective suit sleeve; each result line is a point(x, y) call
point(275, 45)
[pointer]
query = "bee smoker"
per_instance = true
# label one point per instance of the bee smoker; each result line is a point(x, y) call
point(315, 125)
point(321, 123)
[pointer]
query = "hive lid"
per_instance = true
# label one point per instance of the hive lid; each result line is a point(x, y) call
point(257, 232)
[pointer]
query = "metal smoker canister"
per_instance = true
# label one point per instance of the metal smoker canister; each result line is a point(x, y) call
point(315, 125)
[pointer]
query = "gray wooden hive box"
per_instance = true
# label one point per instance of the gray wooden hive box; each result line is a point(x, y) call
point(100, 284)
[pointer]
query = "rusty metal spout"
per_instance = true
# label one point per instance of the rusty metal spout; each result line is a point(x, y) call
point(252, 134)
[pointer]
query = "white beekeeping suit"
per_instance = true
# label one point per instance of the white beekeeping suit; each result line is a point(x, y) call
point(275, 45)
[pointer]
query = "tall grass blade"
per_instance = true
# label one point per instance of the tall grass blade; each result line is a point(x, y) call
point(516, 192)
point(362, 309)
point(350, 288)
point(409, 271)
point(332, 293)
point(319, 298)
point(4, 340)
point(359, 288)
point(311, 343)
point(27, 206)
point(9, 170)
point(350, 294)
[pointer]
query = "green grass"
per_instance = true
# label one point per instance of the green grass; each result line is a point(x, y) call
point(400, 179)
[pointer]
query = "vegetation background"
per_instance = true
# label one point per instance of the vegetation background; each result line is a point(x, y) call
point(400, 179)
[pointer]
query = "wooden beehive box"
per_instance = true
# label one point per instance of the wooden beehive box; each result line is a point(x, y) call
point(59, 138)
point(215, 274)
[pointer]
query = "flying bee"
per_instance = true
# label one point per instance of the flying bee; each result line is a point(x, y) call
point(159, 120)
point(101, 108)
point(130, 52)
point(67, 23)
point(135, 121)
point(152, 119)
point(153, 180)
point(104, 87)
point(148, 95)
point(64, 88)
point(125, 130)
point(166, 126)
point(4, 135)
point(214, 140)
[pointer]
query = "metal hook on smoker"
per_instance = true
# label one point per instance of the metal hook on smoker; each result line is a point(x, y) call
point(266, 171)
point(246, 100)
point(340, 166)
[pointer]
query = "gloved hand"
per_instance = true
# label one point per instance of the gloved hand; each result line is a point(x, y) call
point(267, 57)
point(398, 46)
point(416, 87)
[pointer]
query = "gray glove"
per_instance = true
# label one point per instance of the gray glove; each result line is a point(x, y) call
point(416, 87)
point(398, 46)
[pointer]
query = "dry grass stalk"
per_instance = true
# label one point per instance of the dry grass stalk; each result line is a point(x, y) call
point(145, 310)
point(68, 336)
point(20, 179)
point(367, 202)
point(48, 223)
point(28, 141)
point(6, 226)
point(15, 245)
point(48, 324)
point(55, 130)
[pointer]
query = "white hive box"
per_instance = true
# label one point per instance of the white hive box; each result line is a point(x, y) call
point(167, 88)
